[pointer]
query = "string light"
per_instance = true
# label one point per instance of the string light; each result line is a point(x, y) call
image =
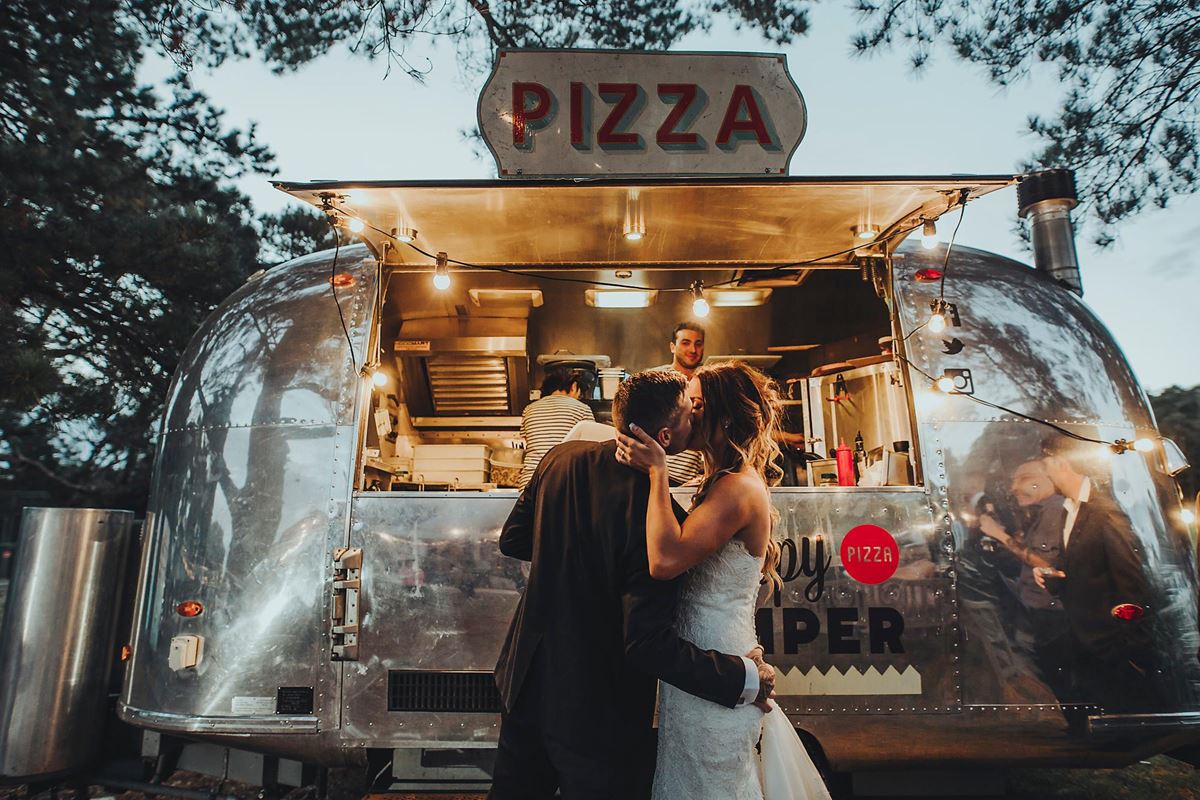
point(937, 322)
point(700, 306)
point(1118, 446)
point(1188, 516)
point(929, 235)
point(1141, 445)
point(379, 379)
point(406, 235)
point(333, 211)
point(441, 273)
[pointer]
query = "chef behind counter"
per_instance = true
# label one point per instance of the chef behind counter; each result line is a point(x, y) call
point(547, 421)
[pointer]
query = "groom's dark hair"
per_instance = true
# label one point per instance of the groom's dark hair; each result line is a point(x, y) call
point(648, 399)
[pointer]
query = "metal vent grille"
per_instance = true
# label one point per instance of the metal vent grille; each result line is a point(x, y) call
point(473, 385)
point(412, 690)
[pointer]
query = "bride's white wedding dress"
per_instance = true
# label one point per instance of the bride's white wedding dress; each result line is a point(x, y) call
point(706, 751)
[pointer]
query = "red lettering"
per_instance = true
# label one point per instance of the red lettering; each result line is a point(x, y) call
point(526, 119)
point(627, 97)
point(577, 113)
point(683, 95)
point(734, 124)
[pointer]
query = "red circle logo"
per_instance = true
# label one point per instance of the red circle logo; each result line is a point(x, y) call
point(870, 554)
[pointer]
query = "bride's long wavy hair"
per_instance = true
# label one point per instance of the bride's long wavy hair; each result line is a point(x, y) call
point(744, 405)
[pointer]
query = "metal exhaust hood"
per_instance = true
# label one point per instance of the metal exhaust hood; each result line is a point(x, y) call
point(464, 366)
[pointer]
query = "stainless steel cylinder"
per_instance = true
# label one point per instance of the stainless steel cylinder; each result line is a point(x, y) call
point(56, 644)
point(1047, 198)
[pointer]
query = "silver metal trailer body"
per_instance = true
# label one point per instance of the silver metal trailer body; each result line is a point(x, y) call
point(251, 496)
point(254, 501)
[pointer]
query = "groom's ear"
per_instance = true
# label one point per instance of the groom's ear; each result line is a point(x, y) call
point(663, 437)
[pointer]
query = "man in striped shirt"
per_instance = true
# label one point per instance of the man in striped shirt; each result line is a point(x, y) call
point(687, 354)
point(547, 421)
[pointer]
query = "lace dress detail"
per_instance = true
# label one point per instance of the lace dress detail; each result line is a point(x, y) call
point(706, 750)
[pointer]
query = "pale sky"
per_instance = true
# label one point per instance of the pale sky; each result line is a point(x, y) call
point(339, 119)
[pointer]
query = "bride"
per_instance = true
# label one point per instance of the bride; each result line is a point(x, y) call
point(707, 751)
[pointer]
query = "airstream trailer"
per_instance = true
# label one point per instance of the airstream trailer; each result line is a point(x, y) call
point(348, 607)
point(320, 579)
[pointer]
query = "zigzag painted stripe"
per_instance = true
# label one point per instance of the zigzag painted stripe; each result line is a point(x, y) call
point(853, 682)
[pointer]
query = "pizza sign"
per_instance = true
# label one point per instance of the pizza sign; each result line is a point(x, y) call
point(588, 113)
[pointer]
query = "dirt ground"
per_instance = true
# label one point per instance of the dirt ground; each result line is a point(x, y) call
point(1160, 778)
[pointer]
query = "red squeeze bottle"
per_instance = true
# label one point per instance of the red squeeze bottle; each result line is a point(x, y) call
point(845, 464)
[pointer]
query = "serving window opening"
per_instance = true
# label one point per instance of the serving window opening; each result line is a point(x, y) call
point(458, 366)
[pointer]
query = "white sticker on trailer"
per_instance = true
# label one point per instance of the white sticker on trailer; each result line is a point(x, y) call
point(253, 706)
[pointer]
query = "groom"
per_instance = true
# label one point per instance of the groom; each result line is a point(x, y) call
point(593, 631)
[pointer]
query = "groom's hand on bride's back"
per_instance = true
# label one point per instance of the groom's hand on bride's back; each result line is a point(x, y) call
point(766, 679)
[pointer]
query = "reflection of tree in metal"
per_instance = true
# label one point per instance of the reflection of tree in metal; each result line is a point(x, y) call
point(1031, 345)
point(251, 486)
point(265, 351)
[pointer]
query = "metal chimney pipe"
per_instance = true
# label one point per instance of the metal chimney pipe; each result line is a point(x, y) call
point(1047, 199)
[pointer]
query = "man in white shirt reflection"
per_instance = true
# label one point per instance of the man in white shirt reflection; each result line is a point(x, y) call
point(1104, 589)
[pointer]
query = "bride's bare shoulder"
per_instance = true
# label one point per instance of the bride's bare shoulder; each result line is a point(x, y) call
point(744, 486)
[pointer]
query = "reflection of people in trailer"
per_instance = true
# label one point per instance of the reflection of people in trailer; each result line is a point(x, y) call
point(1102, 583)
point(990, 610)
point(1041, 626)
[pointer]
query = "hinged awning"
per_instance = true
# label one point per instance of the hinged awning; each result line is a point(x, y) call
point(697, 223)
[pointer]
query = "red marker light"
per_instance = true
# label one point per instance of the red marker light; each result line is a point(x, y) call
point(1128, 612)
point(126, 652)
point(928, 274)
point(342, 280)
point(189, 608)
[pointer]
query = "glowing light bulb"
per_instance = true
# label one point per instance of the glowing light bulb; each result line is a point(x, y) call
point(945, 384)
point(1143, 445)
point(356, 225)
point(441, 273)
point(937, 323)
point(379, 379)
point(700, 306)
point(1188, 516)
point(929, 235)
point(634, 236)
point(406, 235)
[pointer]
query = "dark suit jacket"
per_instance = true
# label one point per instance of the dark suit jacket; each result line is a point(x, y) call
point(1103, 562)
point(600, 628)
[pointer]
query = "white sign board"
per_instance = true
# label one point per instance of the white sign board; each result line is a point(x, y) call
point(553, 113)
